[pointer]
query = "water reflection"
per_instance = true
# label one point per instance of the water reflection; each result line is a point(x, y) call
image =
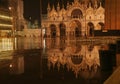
point(78, 57)
point(31, 58)
point(7, 44)
point(29, 43)
point(17, 65)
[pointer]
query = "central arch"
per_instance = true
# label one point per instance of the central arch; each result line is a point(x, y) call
point(76, 13)
point(75, 28)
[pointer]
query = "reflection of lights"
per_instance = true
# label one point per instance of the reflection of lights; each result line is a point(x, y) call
point(6, 44)
point(5, 17)
point(10, 8)
point(83, 60)
point(10, 65)
point(6, 25)
point(44, 43)
point(43, 31)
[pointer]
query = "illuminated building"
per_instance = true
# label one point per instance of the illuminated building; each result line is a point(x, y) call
point(5, 22)
point(21, 26)
point(16, 8)
point(81, 18)
point(11, 18)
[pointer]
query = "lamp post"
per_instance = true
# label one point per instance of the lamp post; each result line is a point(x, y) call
point(41, 72)
point(41, 21)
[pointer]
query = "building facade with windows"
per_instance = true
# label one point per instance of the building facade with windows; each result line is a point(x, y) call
point(5, 22)
point(76, 19)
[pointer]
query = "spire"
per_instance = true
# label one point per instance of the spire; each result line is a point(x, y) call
point(90, 5)
point(68, 5)
point(96, 4)
point(53, 7)
point(76, 0)
point(62, 5)
point(100, 4)
point(58, 6)
point(48, 8)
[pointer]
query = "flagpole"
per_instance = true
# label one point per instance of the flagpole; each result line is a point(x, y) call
point(40, 12)
point(41, 50)
point(41, 21)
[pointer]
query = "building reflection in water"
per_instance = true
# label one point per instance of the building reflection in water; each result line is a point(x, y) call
point(9, 48)
point(17, 65)
point(82, 58)
point(29, 43)
point(77, 57)
point(7, 44)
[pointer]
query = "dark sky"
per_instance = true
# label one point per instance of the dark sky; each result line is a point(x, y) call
point(32, 7)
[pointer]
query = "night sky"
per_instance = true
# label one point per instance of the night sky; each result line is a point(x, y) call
point(32, 8)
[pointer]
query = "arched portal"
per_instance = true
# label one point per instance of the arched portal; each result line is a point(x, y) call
point(53, 30)
point(102, 25)
point(62, 30)
point(75, 28)
point(90, 29)
point(77, 13)
point(78, 32)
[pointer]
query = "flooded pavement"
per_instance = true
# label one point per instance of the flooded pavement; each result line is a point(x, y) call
point(32, 61)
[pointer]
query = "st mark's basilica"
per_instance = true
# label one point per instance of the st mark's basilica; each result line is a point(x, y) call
point(73, 20)
point(76, 19)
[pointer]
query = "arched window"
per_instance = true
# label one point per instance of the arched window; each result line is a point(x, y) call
point(62, 30)
point(102, 25)
point(77, 13)
point(90, 29)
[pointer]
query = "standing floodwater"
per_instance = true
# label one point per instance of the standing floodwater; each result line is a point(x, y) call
point(57, 60)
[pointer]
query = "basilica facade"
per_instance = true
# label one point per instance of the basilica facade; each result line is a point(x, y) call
point(75, 19)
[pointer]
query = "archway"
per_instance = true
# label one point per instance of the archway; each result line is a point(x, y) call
point(102, 25)
point(53, 30)
point(90, 29)
point(77, 13)
point(78, 31)
point(62, 30)
point(76, 28)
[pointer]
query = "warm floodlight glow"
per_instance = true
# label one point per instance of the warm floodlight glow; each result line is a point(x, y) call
point(5, 17)
point(5, 25)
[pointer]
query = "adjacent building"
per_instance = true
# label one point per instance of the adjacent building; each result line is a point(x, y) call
point(112, 16)
point(5, 22)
